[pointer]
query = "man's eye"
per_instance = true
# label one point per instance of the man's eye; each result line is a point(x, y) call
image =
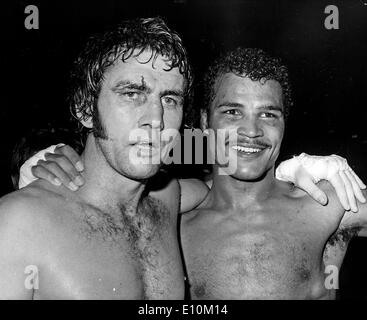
point(232, 112)
point(131, 95)
point(268, 115)
point(170, 102)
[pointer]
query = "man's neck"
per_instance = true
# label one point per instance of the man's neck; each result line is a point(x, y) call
point(105, 187)
point(229, 192)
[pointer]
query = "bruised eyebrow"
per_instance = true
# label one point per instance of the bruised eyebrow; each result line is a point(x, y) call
point(143, 87)
point(132, 85)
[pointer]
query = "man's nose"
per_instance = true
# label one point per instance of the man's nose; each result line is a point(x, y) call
point(250, 128)
point(153, 116)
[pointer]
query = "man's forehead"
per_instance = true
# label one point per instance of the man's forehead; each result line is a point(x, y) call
point(232, 85)
point(145, 66)
point(149, 57)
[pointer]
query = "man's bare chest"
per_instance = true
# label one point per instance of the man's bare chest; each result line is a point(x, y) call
point(255, 258)
point(102, 259)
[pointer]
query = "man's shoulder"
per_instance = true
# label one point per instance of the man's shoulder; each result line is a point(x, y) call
point(166, 189)
point(27, 207)
point(297, 193)
point(350, 219)
point(296, 199)
point(27, 224)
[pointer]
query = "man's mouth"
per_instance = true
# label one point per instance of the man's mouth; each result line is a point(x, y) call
point(146, 145)
point(249, 149)
point(146, 149)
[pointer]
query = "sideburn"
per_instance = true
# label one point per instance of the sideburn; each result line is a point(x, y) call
point(99, 130)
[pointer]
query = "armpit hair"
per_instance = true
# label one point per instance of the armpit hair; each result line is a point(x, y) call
point(343, 235)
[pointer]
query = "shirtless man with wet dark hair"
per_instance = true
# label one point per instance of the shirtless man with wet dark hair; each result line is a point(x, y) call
point(116, 237)
point(112, 232)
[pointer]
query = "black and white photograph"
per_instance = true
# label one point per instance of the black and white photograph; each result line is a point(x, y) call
point(184, 150)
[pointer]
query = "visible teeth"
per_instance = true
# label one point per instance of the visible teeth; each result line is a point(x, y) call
point(246, 149)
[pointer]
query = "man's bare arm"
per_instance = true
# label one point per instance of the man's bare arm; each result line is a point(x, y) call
point(306, 170)
point(18, 272)
point(193, 192)
point(357, 220)
point(64, 166)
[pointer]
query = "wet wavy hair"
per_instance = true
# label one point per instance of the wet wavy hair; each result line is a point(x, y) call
point(252, 63)
point(104, 49)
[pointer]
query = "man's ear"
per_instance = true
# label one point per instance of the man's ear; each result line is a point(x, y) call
point(204, 120)
point(85, 121)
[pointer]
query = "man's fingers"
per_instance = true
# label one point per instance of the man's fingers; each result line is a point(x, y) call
point(338, 185)
point(53, 171)
point(350, 191)
point(306, 183)
point(66, 165)
point(357, 191)
point(359, 181)
point(72, 155)
point(40, 172)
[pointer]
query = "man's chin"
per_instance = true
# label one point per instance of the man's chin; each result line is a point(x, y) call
point(143, 175)
point(143, 171)
point(248, 174)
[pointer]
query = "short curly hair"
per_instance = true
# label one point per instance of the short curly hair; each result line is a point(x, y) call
point(104, 49)
point(253, 63)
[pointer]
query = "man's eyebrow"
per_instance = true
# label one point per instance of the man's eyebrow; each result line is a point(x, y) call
point(271, 108)
point(131, 85)
point(177, 93)
point(229, 104)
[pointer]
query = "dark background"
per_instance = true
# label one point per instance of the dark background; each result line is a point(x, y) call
point(328, 71)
